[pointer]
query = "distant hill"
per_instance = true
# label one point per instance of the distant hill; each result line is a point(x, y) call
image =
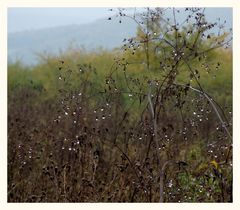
point(101, 33)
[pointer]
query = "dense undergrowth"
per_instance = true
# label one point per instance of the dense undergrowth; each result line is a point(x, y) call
point(129, 125)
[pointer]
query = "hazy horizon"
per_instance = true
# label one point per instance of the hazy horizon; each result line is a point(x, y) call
point(20, 19)
point(33, 30)
point(24, 19)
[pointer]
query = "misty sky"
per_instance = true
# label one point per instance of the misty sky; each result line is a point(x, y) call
point(35, 18)
point(20, 19)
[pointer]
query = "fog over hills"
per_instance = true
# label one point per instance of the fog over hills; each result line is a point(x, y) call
point(25, 45)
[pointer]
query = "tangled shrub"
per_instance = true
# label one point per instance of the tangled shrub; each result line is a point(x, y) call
point(145, 132)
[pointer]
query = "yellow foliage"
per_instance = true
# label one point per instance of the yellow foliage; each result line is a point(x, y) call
point(215, 164)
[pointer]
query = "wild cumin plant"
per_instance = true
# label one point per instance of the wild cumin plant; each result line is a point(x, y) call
point(169, 48)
